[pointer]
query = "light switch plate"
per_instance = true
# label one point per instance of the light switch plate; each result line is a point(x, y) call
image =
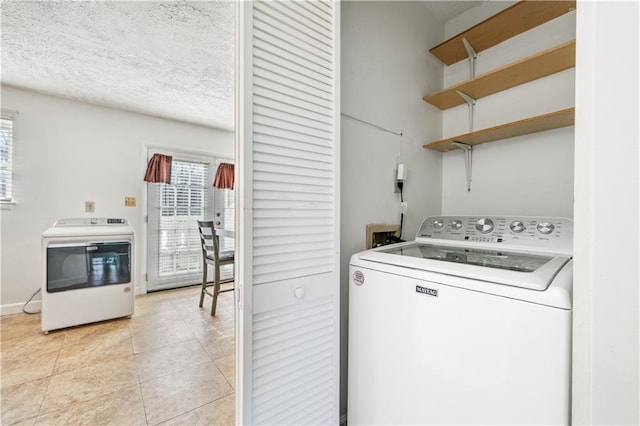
point(89, 206)
point(130, 201)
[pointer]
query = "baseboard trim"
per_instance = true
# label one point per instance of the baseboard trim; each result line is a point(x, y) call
point(16, 308)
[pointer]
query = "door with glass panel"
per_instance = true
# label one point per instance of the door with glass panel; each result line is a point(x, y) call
point(224, 220)
point(174, 257)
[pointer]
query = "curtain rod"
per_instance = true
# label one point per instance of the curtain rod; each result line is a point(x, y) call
point(371, 124)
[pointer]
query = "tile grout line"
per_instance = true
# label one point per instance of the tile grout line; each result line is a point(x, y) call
point(193, 409)
point(171, 300)
point(139, 384)
point(50, 376)
point(54, 374)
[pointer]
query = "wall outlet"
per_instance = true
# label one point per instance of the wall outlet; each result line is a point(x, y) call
point(130, 201)
point(399, 175)
point(89, 206)
point(402, 172)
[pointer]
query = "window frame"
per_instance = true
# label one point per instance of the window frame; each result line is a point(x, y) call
point(7, 120)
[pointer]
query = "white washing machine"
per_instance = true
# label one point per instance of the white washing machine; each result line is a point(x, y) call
point(87, 272)
point(470, 324)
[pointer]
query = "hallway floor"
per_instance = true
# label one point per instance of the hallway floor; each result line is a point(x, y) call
point(171, 364)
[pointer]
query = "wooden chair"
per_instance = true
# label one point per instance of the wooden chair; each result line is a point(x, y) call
point(211, 255)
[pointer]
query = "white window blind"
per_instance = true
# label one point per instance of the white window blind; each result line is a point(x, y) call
point(6, 156)
point(181, 203)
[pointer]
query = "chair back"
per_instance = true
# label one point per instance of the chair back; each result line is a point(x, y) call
point(209, 240)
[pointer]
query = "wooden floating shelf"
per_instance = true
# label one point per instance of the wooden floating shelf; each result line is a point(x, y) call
point(553, 120)
point(531, 68)
point(512, 21)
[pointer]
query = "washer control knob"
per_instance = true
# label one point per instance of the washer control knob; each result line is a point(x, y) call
point(484, 225)
point(438, 223)
point(517, 226)
point(456, 225)
point(545, 228)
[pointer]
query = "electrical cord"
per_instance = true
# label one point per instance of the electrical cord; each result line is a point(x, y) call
point(400, 185)
point(27, 302)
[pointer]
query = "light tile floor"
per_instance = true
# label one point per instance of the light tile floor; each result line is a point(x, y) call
point(171, 364)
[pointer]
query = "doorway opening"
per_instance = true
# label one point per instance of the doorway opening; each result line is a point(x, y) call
point(174, 256)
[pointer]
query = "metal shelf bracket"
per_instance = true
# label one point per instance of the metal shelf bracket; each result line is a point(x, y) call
point(468, 150)
point(473, 56)
point(471, 103)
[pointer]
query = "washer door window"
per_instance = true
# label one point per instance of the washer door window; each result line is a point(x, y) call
point(520, 262)
point(519, 269)
point(75, 266)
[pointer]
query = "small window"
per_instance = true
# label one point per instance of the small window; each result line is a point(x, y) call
point(6, 148)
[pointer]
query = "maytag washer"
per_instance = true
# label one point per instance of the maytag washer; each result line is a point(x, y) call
point(468, 324)
point(88, 272)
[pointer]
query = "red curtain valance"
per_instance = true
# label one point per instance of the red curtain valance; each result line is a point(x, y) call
point(224, 176)
point(159, 169)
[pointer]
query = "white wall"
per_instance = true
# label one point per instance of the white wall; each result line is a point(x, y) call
point(66, 153)
point(526, 175)
point(606, 333)
point(386, 69)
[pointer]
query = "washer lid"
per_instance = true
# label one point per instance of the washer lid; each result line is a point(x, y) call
point(519, 269)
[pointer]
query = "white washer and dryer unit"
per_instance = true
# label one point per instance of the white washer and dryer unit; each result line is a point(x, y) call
point(469, 324)
point(87, 272)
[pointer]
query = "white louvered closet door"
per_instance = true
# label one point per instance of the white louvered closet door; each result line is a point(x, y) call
point(288, 233)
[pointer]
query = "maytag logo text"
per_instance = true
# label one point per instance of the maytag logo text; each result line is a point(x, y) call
point(427, 291)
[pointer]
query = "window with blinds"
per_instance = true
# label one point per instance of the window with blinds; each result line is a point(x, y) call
point(6, 155)
point(181, 203)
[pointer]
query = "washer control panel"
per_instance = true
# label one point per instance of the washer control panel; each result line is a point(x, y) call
point(91, 221)
point(547, 232)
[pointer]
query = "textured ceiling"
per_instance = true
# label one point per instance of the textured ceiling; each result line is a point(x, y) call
point(172, 59)
point(168, 59)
